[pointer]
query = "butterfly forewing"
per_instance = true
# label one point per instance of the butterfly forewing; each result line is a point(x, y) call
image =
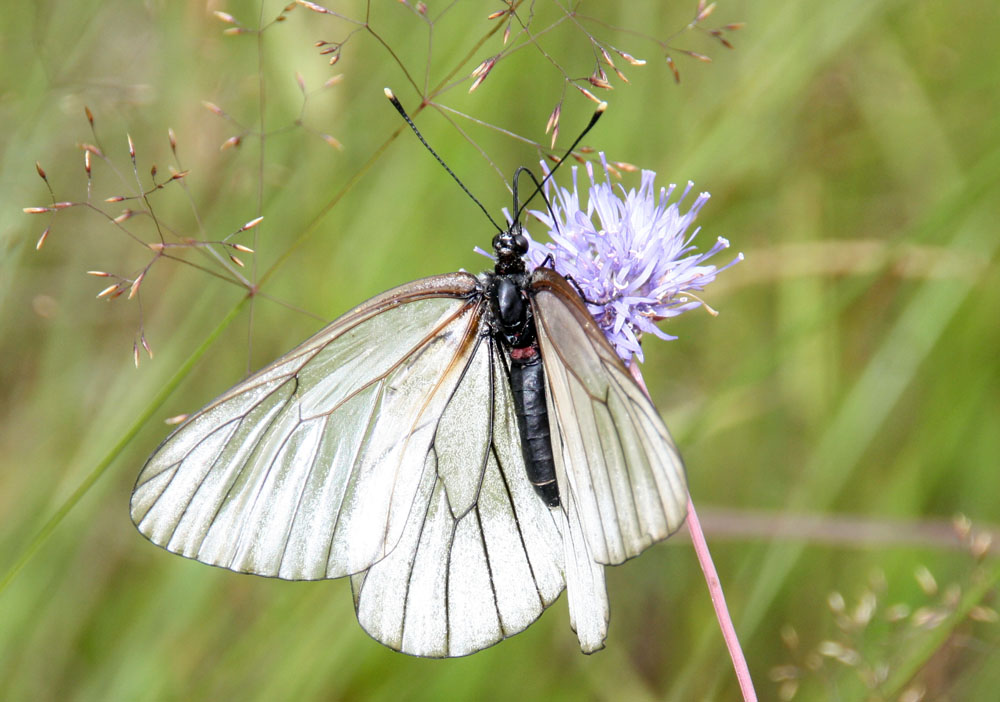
point(480, 557)
point(308, 469)
point(611, 448)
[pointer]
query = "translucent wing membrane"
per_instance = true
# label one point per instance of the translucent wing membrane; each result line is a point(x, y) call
point(387, 448)
point(309, 468)
point(480, 557)
point(615, 460)
point(586, 590)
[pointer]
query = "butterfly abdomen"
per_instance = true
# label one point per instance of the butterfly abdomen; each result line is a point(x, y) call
point(527, 383)
point(514, 328)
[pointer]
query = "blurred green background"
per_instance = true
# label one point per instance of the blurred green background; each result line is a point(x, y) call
point(851, 380)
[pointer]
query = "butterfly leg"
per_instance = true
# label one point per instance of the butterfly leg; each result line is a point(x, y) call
point(550, 262)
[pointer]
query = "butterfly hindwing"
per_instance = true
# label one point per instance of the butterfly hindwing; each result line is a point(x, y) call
point(613, 453)
point(480, 557)
point(308, 468)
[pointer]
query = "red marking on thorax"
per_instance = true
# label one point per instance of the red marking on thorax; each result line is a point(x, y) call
point(525, 353)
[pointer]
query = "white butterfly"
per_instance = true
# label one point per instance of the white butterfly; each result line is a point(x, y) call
point(412, 445)
point(386, 448)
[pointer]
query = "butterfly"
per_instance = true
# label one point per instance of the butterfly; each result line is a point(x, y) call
point(462, 447)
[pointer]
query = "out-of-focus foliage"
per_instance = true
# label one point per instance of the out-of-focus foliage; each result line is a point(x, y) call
point(851, 378)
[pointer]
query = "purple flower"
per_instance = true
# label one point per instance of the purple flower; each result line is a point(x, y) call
point(634, 262)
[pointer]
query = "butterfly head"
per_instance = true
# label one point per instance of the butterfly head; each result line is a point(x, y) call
point(510, 246)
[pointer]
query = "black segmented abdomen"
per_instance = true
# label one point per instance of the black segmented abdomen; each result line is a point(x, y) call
point(527, 383)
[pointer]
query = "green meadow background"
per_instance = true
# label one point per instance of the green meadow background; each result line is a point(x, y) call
point(835, 417)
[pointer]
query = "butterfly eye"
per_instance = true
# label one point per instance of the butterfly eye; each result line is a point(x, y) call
point(497, 241)
point(520, 244)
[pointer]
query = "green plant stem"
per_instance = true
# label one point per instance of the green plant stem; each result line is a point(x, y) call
point(50, 526)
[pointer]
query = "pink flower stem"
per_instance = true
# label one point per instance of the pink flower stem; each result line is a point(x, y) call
point(719, 604)
point(714, 586)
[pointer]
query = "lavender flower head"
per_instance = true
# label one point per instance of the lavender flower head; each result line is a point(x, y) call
point(634, 259)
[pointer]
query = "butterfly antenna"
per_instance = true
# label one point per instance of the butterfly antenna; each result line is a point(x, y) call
point(538, 191)
point(538, 186)
point(399, 108)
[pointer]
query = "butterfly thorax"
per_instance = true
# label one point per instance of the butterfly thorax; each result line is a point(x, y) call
point(512, 319)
